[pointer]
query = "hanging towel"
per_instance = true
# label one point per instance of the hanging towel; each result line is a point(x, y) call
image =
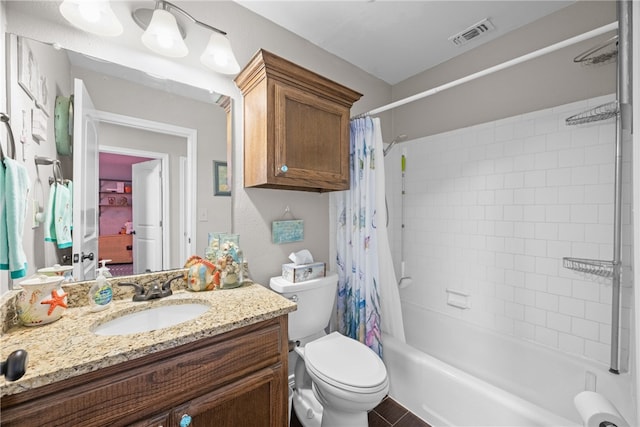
point(59, 216)
point(49, 222)
point(69, 185)
point(14, 186)
point(63, 216)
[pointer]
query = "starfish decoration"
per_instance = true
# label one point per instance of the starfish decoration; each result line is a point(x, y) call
point(55, 301)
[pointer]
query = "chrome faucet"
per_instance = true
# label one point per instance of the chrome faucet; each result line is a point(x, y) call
point(153, 292)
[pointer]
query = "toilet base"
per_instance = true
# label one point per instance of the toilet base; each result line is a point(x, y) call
point(307, 408)
point(310, 413)
point(344, 419)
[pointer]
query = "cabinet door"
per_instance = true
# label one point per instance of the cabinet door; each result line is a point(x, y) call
point(254, 401)
point(311, 140)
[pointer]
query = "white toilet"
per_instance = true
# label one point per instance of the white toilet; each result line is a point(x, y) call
point(337, 379)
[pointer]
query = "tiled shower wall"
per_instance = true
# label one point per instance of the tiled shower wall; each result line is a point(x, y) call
point(491, 210)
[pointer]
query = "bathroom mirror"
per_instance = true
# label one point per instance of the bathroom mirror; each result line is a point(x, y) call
point(150, 103)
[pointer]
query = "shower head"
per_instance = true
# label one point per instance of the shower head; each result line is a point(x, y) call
point(397, 139)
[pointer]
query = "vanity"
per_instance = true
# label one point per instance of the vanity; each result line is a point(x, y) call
point(226, 367)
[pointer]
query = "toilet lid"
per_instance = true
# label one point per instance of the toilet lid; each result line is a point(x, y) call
point(345, 363)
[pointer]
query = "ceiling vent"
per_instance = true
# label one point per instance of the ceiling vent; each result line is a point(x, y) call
point(471, 33)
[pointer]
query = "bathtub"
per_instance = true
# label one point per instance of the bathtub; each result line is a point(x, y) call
point(480, 378)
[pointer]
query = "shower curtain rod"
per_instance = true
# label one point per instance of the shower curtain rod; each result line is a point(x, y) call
point(490, 70)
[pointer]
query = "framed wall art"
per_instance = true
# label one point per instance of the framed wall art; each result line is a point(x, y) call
point(221, 185)
point(28, 75)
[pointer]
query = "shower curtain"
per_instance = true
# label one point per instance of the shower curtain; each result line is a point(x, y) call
point(366, 281)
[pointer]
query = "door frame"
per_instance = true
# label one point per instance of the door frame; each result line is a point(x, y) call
point(191, 137)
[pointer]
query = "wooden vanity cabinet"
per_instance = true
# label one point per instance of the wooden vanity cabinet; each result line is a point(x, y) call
point(296, 126)
point(235, 379)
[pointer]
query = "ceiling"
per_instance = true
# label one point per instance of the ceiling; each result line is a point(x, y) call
point(394, 40)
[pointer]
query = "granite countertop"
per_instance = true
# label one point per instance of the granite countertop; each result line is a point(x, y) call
point(68, 347)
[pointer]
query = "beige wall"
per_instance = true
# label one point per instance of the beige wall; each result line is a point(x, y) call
point(544, 82)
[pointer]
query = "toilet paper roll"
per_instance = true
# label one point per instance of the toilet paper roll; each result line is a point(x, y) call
point(595, 409)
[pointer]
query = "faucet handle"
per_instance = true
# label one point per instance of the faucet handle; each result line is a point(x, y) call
point(166, 286)
point(137, 289)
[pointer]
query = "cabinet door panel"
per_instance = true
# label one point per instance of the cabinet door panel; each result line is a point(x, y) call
point(254, 401)
point(312, 138)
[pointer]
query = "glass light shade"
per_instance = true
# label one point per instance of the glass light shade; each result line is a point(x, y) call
point(162, 35)
point(218, 55)
point(92, 16)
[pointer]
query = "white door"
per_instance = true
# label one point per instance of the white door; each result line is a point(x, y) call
point(85, 192)
point(147, 216)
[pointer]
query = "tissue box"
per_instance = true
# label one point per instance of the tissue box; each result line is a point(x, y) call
point(300, 273)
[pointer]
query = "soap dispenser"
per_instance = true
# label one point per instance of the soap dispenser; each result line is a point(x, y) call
point(101, 293)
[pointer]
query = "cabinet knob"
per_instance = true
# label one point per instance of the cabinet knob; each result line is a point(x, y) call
point(284, 168)
point(185, 421)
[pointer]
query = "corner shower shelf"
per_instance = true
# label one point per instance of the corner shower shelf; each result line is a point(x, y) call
point(606, 52)
point(601, 112)
point(590, 266)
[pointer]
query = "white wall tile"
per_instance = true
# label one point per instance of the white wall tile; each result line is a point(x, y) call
point(571, 306)
point(535, 316)
point(571, 343)
point(585, 214)
point(597, 351)
point(547, 302)
point(585, 328)
point(509, 200)
point(559, 322)
point(546, 336)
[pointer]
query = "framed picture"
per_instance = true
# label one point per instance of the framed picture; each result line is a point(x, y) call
point(44, 100)
point(220, 180)
point(28, 75)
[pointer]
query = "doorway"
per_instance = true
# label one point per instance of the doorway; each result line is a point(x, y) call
point(116, 204)
point(117, 224)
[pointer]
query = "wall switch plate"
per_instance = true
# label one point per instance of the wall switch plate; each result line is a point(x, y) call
point(203, 214)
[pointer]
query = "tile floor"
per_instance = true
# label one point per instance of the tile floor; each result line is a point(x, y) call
point(388, 413)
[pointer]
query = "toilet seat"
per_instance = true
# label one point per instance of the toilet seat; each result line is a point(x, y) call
point(345, 364)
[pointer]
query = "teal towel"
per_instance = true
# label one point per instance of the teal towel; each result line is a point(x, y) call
point(69, 185)
point(49, 221)
point(14, 183)
point(63, 216)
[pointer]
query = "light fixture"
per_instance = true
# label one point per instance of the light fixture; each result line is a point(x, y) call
point(92, 16)
point(165, 36)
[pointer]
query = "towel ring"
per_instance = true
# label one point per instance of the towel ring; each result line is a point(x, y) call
point(11, 146)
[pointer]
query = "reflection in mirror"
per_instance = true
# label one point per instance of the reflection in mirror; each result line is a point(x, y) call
point(151, 190)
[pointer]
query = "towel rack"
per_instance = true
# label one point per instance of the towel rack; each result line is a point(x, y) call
point(57, 169)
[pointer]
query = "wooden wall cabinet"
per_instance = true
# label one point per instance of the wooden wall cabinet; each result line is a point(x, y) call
point(296, 126)
point(231, 380)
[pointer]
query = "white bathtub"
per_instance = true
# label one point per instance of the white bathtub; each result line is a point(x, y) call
point(496, 381)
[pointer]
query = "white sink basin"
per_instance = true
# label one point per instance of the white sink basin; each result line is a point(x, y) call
point(151, 319)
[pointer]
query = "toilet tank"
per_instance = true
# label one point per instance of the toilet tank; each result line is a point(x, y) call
point(315, 299)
